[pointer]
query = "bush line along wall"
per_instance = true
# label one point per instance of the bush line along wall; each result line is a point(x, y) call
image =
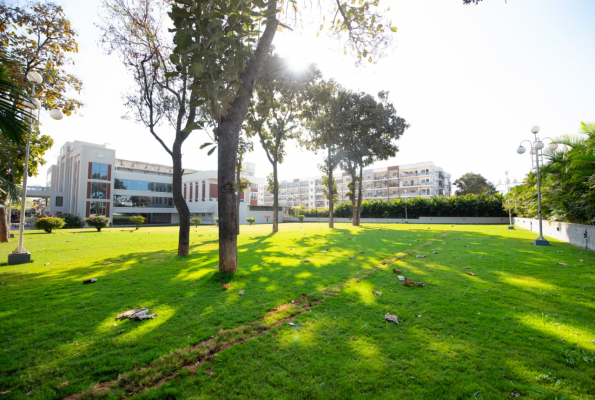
point(436, 206)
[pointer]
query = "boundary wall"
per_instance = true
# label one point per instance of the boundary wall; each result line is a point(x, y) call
point(421, 220)
point(565, 232)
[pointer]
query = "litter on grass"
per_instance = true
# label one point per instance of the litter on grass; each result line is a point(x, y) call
point(92, 280)
point(391, 318)
point(137, 314)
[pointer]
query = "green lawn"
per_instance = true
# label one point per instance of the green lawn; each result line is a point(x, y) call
point(523, 324)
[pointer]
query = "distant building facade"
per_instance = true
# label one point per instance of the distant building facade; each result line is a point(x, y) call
point(88, 179)
point(422, 179)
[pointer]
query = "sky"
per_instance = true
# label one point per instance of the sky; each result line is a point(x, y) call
point(470, 80)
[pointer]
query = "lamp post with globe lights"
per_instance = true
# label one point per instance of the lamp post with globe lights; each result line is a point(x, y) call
point(536, 146)
point(20, 255)
point(507, 183)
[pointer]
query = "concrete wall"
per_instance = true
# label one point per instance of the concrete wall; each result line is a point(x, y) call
point(259, 215)
point(570, 233)
point(422, 220)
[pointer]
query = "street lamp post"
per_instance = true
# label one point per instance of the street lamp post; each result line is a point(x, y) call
point(507, 183)
point(20, 255)
point(536, 146)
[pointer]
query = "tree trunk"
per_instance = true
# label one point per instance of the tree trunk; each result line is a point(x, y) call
point(179, 202)
point(239, 190)
point(228, 134)
point(353, 198)
point(331, 222)
point(359, 195)
point(275, 198)
point(4, 224)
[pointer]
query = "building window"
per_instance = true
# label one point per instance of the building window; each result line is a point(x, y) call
point(250, 173)
point(143, 201)
point(99, 171)
point(59, 201)
point(98, 190)
point(97, 208)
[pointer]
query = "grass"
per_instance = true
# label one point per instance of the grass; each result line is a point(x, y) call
point(523, 324)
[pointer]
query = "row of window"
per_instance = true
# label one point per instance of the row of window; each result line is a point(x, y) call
point(152, 218)
point(143, 201)
point(129, 184)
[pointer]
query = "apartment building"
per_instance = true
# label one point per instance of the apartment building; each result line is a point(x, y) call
point(88, 179)
point(422, 179)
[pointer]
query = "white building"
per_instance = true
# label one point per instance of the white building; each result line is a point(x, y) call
point(422, 179)
point(88, 180)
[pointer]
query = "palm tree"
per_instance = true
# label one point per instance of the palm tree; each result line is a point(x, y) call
point(13, 117)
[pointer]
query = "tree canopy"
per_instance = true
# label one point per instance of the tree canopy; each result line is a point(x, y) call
point(471, 183)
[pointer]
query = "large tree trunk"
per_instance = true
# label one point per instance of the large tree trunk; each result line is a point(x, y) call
point(359, 195)
point(228, 134)
point(4, 223)
point(275, 198)
point(331, 222)
point(179, 202)
point(239, 190)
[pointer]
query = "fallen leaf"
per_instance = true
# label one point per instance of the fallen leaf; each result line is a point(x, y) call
point(305, 261)
point(420, 284)
point(63, 384)
point(563, 264)
point(352, 258)
point(377, 293)
point(396, 271)
point(434, 252)
point(418, 315)
point(291, 324)
point(470, 273)
point(466, 267)
point(581, 260)
point(225, 286)
point(420, 256)
point(392, 318)
point(107, 263)
point(241, 292)
point(408, 282)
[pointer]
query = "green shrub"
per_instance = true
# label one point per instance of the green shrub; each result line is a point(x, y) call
point(97, 222)
point(217, 220)
point(49, 223)
point(301, 217)
point(196, 222)
point(137, 220)
point(72, 221)
point(251, 220)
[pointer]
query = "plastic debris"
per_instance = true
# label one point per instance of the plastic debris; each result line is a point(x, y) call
point(401, 278)
point(137, 314)
point(92, 280)
point(562, 264)
point(420, 256)
point(377, 293)
point(241, 292)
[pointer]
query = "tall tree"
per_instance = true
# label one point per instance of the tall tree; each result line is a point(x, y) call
point(370, 130)
point(227, 42)
point(322, 121)
point(165, 98)
point(37, 37)
point(471, 183)
point(274, 113)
